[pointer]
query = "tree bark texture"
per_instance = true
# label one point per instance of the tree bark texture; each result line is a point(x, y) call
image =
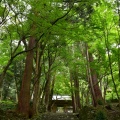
point(72, 92)
point(92, 79)
point(75, 92)
point(47, 90)
point(97, 92)
point(36, 88)
point(24, 95)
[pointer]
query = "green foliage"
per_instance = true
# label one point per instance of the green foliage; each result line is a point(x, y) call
point(101, 115)
point(100, 102)
point(7, 105)
point(1, 11)
point(91, 113)
point(90, 22)
point(62, 84)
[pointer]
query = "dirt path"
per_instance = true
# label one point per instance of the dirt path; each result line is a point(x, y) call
point(58, 116)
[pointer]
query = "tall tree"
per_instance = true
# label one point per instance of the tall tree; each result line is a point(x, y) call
point(24, 95)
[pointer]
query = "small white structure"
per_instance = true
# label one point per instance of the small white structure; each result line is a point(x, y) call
point(61, 97)
point(62, 103)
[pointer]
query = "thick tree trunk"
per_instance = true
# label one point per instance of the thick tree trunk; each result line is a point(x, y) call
point(97, 92)
point(93, 80)
point(24, 95)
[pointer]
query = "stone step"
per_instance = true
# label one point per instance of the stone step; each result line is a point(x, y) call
point(58, 116)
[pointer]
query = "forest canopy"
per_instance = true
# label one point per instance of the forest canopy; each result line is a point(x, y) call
point(59, 47)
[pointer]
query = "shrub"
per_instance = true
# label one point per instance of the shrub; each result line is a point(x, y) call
point(101, 115)
point(7, 105)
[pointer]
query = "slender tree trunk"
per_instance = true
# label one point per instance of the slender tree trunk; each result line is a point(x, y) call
point(51, 58)
point(87, 97)
point(2, 75)
point(118, 30)
point(77, 93)
point(36, 95)
point(105, 87)
point(24, 95)
point(47, 90)
point(51, 93)
point(16, 85)
point(72, 92)
point(82, 93)
point(110, 63)
point(91, 88)
point(16, 80)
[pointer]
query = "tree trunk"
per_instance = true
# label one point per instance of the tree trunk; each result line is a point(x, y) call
point(105, 87)
point(36, 95)
point(91, 87)
point(77, 94)
point(110, 63)
point(97, 91)
point(24, 95)
point(51, 58)
point(51, 94)
point(72, 92)
point(92, 79)
point(47, 90)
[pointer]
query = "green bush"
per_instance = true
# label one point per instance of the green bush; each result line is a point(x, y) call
point(101, 115)
point(93, 113)
point(100, 102)
point(7, 105)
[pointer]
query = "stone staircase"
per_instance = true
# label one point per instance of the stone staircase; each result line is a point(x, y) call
point(58, 116)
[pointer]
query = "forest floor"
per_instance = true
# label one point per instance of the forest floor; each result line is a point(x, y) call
point(43, 116)
point(110, 112)
point(85, 114)
point(111, 115)
point(57, 116)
